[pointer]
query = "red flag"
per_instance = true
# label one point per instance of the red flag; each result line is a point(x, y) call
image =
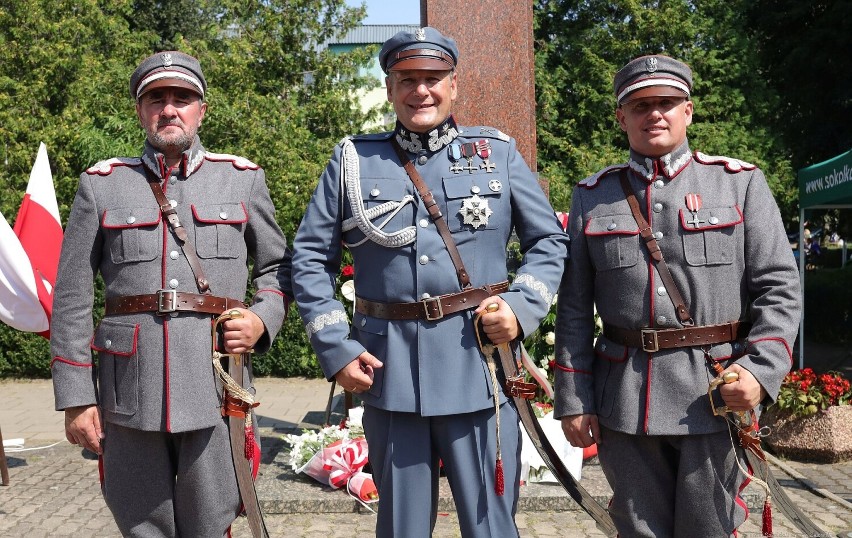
point(563, 220)
point(19, 305)
point(39, 229)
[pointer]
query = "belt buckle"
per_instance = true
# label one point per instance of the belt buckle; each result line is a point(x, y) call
point(437, 302)
point(649, 336)
point(166, 302)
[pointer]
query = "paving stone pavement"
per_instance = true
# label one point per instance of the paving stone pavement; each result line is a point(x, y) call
point(54, 491)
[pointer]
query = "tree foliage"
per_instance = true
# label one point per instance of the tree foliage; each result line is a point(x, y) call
point(276, 96)
point(580, 44)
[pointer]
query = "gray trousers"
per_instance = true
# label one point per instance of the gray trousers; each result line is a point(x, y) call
point(160, 484)
point(405, 449)
point(672, 485)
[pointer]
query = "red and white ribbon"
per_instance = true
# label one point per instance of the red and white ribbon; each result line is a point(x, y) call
point(343, 459)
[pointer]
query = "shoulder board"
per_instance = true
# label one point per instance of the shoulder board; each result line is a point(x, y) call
point(592, 181)
point(488, 132)
point(240, 163)
point(105, 168)
point(370, 137)
point(731, 164)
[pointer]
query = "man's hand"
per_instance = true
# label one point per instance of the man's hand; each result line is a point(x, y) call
point(357, 376)
point(241, 334)
point(501, 325)
point(83, 427)
point(744, 393)
point(581, 430)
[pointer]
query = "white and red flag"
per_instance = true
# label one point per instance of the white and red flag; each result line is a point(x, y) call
point(29, 257)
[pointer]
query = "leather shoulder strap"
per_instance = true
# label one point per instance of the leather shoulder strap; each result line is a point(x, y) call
point(171, 217)
point(434, 213)
point(656, 254)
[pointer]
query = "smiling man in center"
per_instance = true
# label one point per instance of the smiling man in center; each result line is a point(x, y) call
point(427, 211)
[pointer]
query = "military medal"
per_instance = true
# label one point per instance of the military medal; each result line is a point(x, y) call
point(468, 150)
point(454, 151)
point(483, 149)
point(694, 203)
point(475, 211)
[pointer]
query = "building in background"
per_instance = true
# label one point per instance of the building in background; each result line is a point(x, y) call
point(362, 36)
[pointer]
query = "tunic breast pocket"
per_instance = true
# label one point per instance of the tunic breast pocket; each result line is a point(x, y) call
point(388, 203)
point(132, 234)
point(219, 229)
point(709, 235)
point(613, 241)
point(474, 202)
point(118, 366)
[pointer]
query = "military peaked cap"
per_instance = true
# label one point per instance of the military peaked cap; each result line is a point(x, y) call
point(425, 48)
point(652, 76)
point(168, 68)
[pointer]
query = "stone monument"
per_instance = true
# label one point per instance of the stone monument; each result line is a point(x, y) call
point(496, 66)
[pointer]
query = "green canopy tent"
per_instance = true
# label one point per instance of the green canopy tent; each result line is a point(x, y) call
point(824, 185)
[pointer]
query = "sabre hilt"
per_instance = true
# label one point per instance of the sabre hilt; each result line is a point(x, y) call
point(225, 316)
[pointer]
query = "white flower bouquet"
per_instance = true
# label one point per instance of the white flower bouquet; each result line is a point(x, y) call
point(335, 455)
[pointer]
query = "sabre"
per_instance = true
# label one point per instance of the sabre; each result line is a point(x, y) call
point(237, 404)
point(745, 424)
point(522, 392)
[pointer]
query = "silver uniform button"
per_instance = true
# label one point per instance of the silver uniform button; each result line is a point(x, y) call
point(661, 291)
point(713, 220)
point(422, 159)
point(425, 296)
point(424, 223)
point(612, 226)
point(375, 192)
point(174, 254)
point(172, 180)
point(363, 321)
point(173, 203)
point(173, 283)
point(108, 344)
point(659, 184)
point(131, 219)
point(661, 320)
point(223, 215)
point(658, 235)
point(475, 189)
point(658, 207)
point(424, 260)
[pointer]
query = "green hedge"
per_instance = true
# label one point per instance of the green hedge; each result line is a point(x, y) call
point(27, 355)
point(828, 309)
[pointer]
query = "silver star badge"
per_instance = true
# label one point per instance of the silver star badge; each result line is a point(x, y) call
point(475, 211)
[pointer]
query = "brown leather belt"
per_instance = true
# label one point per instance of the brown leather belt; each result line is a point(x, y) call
point(433, 308)
point(652, 340)
point(168, 301)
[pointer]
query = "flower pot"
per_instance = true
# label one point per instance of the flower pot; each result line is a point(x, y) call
point(824, 437)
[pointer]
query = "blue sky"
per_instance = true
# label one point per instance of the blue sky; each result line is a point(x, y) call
point(390, 11)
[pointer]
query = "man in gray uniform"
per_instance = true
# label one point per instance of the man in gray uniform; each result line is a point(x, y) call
point(640, 391)
point(412, 352)
point(150, 406)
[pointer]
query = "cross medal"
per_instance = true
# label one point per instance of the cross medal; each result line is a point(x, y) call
point(483, 149)
point(468, 150)
point(455, 153)
point(694, 203)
